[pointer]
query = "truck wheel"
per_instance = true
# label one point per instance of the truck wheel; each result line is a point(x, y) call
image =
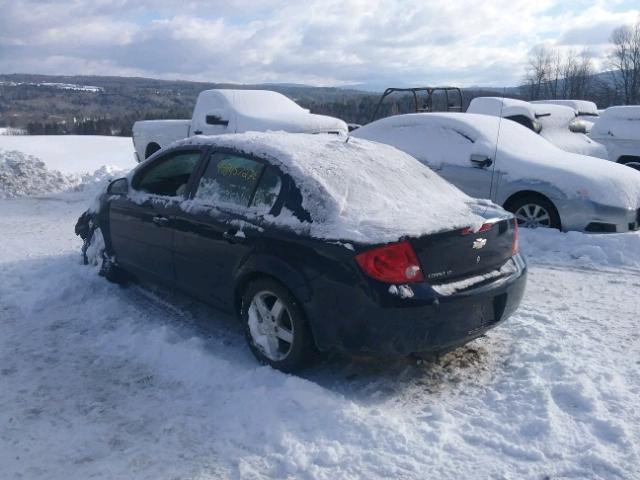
point(151, 149)
point(275, 327)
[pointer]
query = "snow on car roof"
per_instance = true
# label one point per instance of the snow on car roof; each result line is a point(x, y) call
point(355, 189)
point(501, 106)
point(252, 102)
point(583, 107)
point(509, 107)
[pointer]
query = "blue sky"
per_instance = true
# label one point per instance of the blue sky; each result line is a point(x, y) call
point(319, 42)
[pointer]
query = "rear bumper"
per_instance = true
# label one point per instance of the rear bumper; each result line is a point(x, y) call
point(380, 322)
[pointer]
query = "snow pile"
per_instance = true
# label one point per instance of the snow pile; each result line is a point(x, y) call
point(357, 190)
point(25, 175)
point(581, 250)
point(74, 153)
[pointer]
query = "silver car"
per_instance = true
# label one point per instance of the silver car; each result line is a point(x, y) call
point(489, 157)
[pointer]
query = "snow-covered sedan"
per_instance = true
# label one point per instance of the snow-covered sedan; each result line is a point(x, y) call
point(518, 169)
point(315, 241)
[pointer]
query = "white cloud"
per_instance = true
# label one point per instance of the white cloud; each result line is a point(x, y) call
point(317, 41)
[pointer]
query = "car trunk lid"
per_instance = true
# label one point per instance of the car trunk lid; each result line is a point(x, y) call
point(453, 255)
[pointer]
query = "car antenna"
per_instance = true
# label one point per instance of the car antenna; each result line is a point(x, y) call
point(347, 140)
point(495, 152)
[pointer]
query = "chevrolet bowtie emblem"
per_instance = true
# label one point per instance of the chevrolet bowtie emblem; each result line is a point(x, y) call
point(479, 243)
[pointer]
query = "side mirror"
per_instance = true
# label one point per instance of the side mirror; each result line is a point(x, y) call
point(119, 186)
point(578, 126)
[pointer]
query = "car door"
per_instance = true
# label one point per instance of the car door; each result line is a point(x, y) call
point(140, 222)
point(459, 159)
point(220, 227)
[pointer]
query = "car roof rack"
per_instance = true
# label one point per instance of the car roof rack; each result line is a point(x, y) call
point(427, 105)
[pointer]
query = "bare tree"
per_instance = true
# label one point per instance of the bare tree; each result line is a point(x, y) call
point(538, 71)
point(554, 74)
point(625, 61)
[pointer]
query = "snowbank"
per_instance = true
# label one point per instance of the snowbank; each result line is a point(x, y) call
point(357, 190)
point(580, 249)
point(25, 175)
point(74, 153)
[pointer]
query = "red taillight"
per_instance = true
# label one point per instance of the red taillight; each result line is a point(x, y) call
point(516, 238)
point(394, 263)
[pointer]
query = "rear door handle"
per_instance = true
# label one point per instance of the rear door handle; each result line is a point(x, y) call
point(234, 236)
point(198, 132)
point(160, 220)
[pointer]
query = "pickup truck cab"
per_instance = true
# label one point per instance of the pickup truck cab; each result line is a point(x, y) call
point(233, 111)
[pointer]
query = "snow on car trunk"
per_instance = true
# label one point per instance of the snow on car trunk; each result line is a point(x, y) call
point(358, 190)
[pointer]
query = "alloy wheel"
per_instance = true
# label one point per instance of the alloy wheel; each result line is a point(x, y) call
point(270, 325)
point(532, 215)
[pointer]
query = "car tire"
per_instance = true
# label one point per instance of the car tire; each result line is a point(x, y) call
point(534, 211)
point(275, 326)
point(94, 253)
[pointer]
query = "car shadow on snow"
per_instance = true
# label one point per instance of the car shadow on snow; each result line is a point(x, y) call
point(60, 283)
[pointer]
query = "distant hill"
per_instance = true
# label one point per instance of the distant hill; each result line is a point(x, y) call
point(53, 104)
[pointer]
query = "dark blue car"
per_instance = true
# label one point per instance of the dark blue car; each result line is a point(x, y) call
point(317, 242)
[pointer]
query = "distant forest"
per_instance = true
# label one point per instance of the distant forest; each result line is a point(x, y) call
point(58, 105)
point(92, 105)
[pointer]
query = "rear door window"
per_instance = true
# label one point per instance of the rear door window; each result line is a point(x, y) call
point(233, 180)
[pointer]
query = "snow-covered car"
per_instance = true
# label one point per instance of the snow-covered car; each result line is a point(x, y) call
point(555, 123)
point(233, 111)
point(511, 165)
point(618, 128)
point(586, 113)
point(315, 241)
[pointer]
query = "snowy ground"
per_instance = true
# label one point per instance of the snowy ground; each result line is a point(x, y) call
point(98, 381)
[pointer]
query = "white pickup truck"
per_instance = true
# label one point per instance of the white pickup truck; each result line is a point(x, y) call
point(233, 111)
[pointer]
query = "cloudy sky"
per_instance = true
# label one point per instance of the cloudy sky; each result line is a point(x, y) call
point(319, 42)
